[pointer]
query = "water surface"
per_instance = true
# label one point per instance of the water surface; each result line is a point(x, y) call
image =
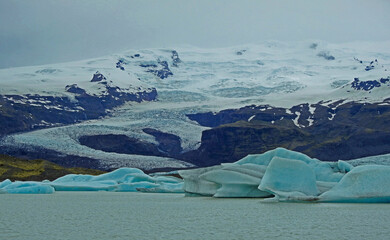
point(103, 215)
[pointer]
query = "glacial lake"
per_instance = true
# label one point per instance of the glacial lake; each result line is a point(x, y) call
point(107, 215)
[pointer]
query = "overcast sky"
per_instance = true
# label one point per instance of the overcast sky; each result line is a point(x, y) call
point(36, 32)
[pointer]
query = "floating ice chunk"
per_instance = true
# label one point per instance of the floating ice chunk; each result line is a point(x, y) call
point(235, 183)
point(324, 186)
point(289, 178)
point(73, 178)
point(119, 174)
point(365, 184)
point(107, 185)
point(166, 179)
point(247, 168)
point(290, 175)
point(344, 167)
point(265, 158)
point(120, 180)
point(137, 177)
point(5, 183)
point(324, 171)
point(196, 185)
point(226, 180)
point(164, 188)
point(28, 188)
point(132, 187)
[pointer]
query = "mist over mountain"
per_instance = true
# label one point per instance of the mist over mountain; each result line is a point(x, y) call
point(43, 31)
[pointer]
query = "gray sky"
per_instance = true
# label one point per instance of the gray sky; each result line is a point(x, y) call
point(36, 32)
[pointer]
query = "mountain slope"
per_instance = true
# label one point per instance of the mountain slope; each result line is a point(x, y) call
point(179, 93)
point(36, 170)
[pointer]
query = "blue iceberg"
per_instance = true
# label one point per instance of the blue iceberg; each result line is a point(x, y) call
point(290, 176)
point(277, 175)
point(120, 180)
point(363, 184)
point(25, 187)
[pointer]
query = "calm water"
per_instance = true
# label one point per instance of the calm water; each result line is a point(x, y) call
point(102, 215)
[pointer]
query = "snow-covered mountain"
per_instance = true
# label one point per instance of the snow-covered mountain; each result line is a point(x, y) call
point(160, 89)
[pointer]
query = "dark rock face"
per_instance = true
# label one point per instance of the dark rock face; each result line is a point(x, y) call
point(175, 59)
point(75, 89)
point(36, 170)
point(384, 80)
point(241, 52)
point(371, 66)
point(97, 77)
point(53, 156)
point(337, 131)
point(264, 112)
point(144, 65)
point(162, 73)
point(326, 55)
point(168, 143)
point(120, 64)
point(313, 45)
point(28, 112)
point(368, 85)
point(120, 144)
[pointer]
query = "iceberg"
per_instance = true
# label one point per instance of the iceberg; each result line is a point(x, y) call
point(285, 174)
point(277, 175)
point(195, 184)
point(26, 187)
point(227, 180)
point(363, 184)
point(5, 183)
point(120, 180)
point(288, 178)
point(324, 171)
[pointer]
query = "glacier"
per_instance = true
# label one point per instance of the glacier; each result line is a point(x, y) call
point(277, 175)
point(205, 80)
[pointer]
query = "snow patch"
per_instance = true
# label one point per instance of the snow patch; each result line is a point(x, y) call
point(295, 120)
point(250, 119)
